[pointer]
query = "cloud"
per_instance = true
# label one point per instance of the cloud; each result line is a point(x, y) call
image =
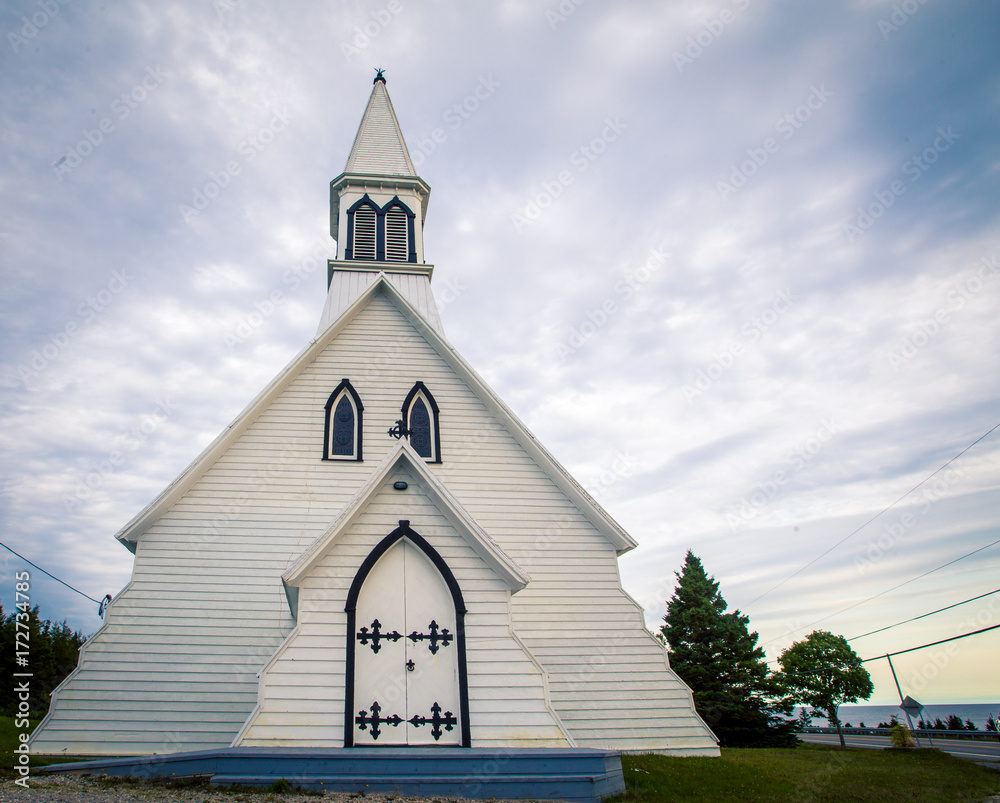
point(247, 112)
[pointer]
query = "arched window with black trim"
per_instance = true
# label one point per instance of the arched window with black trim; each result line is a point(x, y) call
point(399, 232)
point(420, 413)
point(362, 227)
point(396, 249)
point(342, 439)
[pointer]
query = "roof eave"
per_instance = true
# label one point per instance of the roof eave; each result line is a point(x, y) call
point(599, 517)
point(373, 180)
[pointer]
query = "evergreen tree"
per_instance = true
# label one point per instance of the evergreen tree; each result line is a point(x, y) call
point(715, 653)
point(53, 651)
point(954, 723)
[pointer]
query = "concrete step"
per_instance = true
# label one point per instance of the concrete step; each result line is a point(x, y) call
point(579, 775)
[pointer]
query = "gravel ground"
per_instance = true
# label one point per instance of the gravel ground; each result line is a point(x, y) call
point(67, 789)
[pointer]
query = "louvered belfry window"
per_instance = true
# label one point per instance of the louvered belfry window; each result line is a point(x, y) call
point(364, 232)
point(395, 235)
point(380, 233)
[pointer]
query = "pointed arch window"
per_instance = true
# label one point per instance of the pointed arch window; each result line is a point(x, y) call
point(342, 439)
point(396, 249)
point(381, 234)
point(365, 225)
point(420, 412)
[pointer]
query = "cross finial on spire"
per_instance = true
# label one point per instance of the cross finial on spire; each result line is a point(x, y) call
point(379, 75)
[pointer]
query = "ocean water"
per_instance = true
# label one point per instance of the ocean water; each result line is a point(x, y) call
point(871, 715)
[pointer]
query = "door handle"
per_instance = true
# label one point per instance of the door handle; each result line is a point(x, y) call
point(410, 665)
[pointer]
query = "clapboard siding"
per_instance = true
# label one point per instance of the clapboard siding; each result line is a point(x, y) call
point(208, 569)
point(508, 687)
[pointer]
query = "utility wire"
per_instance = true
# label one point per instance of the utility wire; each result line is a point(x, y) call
point(883, 593)
point(859, 529)
point(899, 652)
point(77, 590)
point(932, 644)
point(922, 616)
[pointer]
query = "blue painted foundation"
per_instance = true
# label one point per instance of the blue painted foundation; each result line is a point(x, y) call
point(578, 775)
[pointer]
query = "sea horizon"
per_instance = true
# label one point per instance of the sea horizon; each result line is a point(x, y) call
point(871, 715)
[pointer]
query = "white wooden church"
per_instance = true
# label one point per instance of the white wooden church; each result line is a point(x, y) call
point(315, 580)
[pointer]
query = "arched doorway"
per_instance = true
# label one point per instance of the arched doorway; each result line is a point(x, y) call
point(407, 682)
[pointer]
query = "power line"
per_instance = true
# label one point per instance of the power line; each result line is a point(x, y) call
point(932, 644)
point(888, 590)
point(901, 652)
point(859, 529)
point(923, 616)
point(77, 590)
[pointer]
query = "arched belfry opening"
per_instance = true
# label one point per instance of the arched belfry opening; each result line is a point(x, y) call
point(406, 669)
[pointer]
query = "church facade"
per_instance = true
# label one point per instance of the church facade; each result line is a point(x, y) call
point(376, 551)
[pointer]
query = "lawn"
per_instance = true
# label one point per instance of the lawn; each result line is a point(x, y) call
point(9, 741)
point(810, 772)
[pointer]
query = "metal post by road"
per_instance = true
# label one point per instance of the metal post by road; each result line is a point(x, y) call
point(901, 702)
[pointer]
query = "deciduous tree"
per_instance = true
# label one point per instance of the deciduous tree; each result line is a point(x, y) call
point(823, 671)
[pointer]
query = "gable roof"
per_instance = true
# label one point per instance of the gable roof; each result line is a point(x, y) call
point(379, 148)
point(597, 516)
point(402, 454)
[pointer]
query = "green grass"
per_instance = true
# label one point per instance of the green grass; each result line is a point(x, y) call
point(9, 739)
point(810, 772)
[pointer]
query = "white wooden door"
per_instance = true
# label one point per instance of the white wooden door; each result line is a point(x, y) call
point(405, 656)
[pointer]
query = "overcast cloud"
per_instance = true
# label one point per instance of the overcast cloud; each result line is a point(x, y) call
point(736, 264)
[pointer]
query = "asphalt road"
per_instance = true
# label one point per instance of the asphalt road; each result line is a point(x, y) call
point(983, 752)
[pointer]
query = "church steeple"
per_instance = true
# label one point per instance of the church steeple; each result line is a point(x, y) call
point(378, 204)
point(379, 147)
point(377, 210)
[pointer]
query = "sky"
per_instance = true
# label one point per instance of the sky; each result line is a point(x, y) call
point(735, 263)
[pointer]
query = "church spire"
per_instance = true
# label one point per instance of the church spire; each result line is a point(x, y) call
point(377, 210)
point(379, 148)
point(379, 174)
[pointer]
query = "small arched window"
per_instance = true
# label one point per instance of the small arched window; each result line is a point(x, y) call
point(364, 233)
point(362, 219)
point(396, 248)
point(342, 437)
point(420, 412)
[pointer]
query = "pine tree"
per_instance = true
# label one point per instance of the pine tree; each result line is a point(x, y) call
point(53, 653)
point(954, 723)
point(715, 653)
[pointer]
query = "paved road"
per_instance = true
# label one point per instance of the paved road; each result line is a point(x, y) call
point(984, 752)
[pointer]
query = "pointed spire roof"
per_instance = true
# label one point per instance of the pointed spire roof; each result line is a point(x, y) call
point(379, 148)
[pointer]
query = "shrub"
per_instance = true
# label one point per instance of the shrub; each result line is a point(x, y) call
point(901, 737)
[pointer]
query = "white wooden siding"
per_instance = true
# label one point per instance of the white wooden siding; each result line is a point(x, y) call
point(206, 608)
point(347, 285)
point(506, 688)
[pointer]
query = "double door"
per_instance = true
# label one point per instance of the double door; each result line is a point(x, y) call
point(406, 689)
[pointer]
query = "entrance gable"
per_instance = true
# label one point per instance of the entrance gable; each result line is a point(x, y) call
point(303, 689)
point(402, 457)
